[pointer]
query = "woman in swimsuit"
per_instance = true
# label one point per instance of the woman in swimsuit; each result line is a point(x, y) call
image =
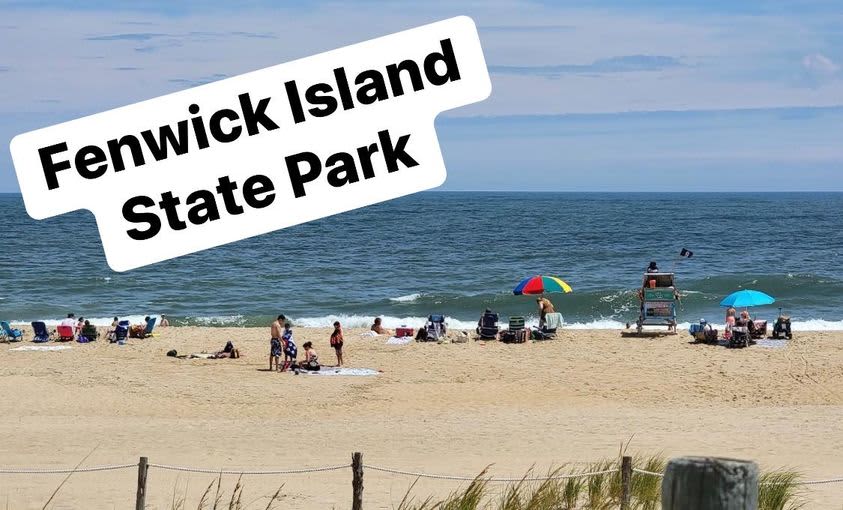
point(311, 359)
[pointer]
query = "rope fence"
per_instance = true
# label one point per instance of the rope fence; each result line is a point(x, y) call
point(492, 479)
point(185, 469)
point(625, 469)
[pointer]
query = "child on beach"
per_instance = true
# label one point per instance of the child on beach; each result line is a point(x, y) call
point(336, 342)
point(290, 350)
point(730, 323)
point(311, 359)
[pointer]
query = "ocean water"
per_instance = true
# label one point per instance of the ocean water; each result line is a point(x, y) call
point(454, 253)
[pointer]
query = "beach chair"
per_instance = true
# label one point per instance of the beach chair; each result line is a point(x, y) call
point(149, 327)
point(516, 333)
point(65, 333)
point(121, 332)
point(552, 322)
point(760, 329)
point(11, 334)
point(41, 335)
point(435, 328)
point(488, 328)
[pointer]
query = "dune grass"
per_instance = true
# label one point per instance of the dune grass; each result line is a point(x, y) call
point(779, 490)
point(214, 498)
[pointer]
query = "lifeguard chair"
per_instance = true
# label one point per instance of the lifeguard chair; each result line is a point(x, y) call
point(658, 298)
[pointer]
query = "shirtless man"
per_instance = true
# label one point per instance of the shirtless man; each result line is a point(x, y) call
point(545, 307)
point(276, 332)
point(378, 328)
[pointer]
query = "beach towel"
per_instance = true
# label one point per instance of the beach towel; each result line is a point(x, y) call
point(41, 348)
point(369, 333)
point(403, 340)
point(364, 372)
point(553, 321)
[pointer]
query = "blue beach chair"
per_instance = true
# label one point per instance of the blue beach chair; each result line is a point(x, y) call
point(40, 331)
point(121, 332)
point(11, 334)
point(149, 327)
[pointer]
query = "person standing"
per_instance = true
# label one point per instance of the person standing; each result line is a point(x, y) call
point(275, 334)
point(289, 347)
point(164, 322)
point(337, 341)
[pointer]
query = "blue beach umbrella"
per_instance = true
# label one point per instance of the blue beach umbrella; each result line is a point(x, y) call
point(746, 298)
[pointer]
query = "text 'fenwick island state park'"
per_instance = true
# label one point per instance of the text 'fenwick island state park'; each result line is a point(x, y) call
point(260, 151)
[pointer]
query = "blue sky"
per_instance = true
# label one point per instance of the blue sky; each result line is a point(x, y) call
point(619, 95)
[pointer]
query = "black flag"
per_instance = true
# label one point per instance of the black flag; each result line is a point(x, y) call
point(686, 253)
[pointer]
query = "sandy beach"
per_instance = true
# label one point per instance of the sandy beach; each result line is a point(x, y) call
point(450, 408)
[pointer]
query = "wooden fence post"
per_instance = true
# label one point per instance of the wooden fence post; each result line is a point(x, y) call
point(140, 500)
point(626, 482)
point(357, 481)
point(708, 483)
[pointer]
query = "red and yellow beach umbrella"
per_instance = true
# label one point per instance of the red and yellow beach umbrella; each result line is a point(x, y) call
point(541, 285)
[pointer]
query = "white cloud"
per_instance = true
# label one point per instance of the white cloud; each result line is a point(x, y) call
point(819, 64)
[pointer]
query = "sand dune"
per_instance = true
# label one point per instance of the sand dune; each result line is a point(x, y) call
point(449, 408)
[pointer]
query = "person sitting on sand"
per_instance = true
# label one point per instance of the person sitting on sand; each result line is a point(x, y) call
point(89, 332)
point(545, 307)
point(164, 322)
point(111, 334)
point(378, 328)
point(138, 330)
point(289, 346)
point(229, 351)
point(79, 325)
point(311, 359)
point(337, 341)
point(275, 332)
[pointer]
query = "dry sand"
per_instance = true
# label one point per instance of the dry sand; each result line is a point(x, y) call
point(450, 408)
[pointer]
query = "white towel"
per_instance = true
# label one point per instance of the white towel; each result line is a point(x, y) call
point(41, 348)
point(399, 340)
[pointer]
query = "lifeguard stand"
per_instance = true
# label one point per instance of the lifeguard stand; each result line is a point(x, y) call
point(658, 302)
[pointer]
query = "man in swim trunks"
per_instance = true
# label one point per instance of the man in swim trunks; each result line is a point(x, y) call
point(276, 331)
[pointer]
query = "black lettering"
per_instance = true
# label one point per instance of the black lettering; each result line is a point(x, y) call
point(258, 185)
point(115, 146)
point(344, 171)
point(50, 168)
point(83, 161)
point(364, 154)
point(452, 71)
point(198, 127)
point(295, 102)
point(216, 128)
point(167, 137)
point(371, 92)
point(168, 203)
point(253, 117)
point(328, 101)
point(139, 217)
point(394, 73)
point(226, 189)
point(393, 154)
point(204, 211)
point(342, 87)
point(297, 179)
